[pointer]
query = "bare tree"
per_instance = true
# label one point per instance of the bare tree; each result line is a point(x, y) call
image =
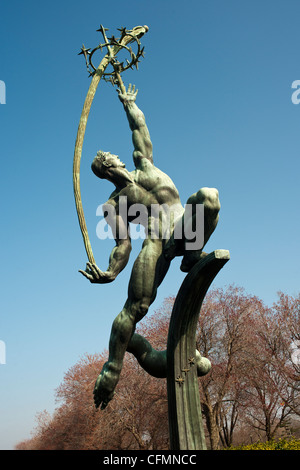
point(225, 333)
point(253, 384)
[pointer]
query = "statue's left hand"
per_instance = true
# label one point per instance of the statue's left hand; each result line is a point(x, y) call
point(129, 96)
point(95, 275)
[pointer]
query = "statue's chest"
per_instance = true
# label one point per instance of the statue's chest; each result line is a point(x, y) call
point(136, 193)
point(150, 181)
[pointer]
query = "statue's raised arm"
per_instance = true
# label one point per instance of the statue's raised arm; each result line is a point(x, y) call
point(140, 133)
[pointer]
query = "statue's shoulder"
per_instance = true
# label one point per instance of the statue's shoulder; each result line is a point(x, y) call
point(142, 160)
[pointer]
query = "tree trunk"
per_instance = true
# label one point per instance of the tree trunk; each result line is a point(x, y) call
point(212, 428)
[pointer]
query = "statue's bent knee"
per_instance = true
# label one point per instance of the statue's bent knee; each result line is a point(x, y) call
point(140, 309)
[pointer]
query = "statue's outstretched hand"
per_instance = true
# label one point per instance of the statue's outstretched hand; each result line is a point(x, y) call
point(95, 275)
point(129, 96)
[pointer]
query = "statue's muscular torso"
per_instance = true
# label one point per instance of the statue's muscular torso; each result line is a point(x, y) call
point(152, 188)
point(149, 186)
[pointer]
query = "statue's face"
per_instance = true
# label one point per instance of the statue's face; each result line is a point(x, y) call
point(102, 165)
point(113, 161)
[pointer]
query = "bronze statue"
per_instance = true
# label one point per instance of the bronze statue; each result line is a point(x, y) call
point(170, 230)
point(149, 186)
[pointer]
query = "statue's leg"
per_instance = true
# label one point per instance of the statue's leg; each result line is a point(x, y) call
point(209, 197)
point(177, 245)
point(148, 271)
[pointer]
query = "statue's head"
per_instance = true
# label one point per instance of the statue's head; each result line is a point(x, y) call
point(104, 164)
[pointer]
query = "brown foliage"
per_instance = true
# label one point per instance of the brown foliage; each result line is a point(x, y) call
point(136, 418)
point(252, 389)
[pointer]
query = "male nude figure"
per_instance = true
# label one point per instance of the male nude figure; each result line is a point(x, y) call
point(147, 185)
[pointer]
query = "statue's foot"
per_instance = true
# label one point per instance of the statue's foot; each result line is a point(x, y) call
point(190, 259)
point(105, 385)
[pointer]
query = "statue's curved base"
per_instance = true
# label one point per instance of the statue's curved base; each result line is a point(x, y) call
point(181, 364)
point(185, 417)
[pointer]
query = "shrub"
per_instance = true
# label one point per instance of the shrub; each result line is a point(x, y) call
point(280, 444)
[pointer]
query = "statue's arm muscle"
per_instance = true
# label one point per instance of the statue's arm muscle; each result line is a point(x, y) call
point(140, 133)
point(120, 253)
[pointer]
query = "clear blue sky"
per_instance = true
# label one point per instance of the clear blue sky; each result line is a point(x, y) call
point(215, 86)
